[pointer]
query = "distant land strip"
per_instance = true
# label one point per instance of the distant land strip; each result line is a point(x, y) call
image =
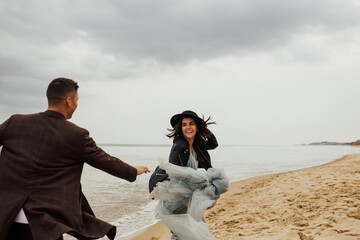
point(356, 143)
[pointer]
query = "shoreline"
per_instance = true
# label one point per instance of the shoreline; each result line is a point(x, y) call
point(159, 230)
point(321, 202)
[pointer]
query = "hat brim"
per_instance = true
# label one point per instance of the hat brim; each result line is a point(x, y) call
point(178, 117)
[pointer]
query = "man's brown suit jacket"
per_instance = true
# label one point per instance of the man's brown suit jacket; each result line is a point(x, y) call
point(41, 162)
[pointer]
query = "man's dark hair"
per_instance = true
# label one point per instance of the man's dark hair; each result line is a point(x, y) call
point(59, 89)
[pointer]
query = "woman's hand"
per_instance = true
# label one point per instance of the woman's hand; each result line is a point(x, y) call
point(142, 169)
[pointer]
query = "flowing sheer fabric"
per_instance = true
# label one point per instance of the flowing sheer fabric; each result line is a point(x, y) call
point(186, 196)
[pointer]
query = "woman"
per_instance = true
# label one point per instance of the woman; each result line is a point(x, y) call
point(192, 140)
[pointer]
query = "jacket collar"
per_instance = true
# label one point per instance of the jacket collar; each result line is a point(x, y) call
point(55, 114)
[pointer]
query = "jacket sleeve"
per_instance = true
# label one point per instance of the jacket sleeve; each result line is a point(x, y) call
point(211, 142)
point(159, 175)
point(2, 131)
point(178, 152)
point(98, 158)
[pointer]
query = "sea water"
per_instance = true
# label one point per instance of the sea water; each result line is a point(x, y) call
point(128, 206)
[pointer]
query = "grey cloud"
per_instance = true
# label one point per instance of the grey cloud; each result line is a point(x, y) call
point(23, 86)
point(9, 65)
point(176, 31)
point(21, 96)
point(33, 32)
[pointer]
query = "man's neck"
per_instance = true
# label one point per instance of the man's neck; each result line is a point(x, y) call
point(59, 110)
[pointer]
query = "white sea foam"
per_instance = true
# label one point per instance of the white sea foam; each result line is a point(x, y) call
point(145, 214)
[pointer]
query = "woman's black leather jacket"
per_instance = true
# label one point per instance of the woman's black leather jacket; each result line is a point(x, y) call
point(179, 155)
point(180, 152)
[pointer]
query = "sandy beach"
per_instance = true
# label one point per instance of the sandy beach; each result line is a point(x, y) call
point(309, 204)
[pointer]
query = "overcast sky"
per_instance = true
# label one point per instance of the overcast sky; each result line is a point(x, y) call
point(267, 71)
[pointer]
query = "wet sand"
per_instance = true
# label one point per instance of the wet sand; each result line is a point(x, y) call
point(309, 204)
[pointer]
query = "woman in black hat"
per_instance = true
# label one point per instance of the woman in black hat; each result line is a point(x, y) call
point(192, 138)
point(191, 141)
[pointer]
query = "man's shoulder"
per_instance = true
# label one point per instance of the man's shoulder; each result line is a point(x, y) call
point(24, 117)
point(42, 116)
point(76, 127)
point(30, 115)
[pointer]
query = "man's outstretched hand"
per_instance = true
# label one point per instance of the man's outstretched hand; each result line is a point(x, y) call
point(142, 169)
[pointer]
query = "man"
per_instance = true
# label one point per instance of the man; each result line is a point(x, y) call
point(40, 169)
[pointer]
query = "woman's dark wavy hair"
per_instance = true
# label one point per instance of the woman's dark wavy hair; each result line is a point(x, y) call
point(202, 134)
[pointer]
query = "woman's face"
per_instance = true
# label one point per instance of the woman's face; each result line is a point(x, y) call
point(189, 128)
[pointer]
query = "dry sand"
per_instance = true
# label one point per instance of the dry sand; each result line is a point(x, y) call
point(316, 203)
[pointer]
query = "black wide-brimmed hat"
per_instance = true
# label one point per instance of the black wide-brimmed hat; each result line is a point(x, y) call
point(178, 117)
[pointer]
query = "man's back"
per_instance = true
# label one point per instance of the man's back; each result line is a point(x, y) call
point(38, 147)
point(40, 170)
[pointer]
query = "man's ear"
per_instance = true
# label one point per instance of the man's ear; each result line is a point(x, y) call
point(68, 101)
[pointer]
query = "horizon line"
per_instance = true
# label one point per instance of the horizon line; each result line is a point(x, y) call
point(169, 145)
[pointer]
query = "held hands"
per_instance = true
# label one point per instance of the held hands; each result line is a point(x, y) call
point(142, 169)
